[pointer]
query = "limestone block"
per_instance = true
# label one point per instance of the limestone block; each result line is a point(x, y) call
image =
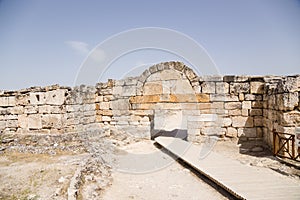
point(203, 118)
point(23, 121)
point(2, 125)
point(202, 98)
point(245, 112)
point(12, 123)
point(236, 112)
point(208, 87)
point(22, 100)
point(288, 101)
point(130, 81)
point(7, 101)
point(128, 91)
point(237, 88)
point(195, 125)
point(247, 132)
point(190, 74)
point(203, 106)
point(16, 110)
point(106, 105)
point(222, 88)
point(217, 105)
point(52, 121)
point(233, 105)
point(181, 87)
point(34, 121)
point(257, 104)
point(250, 97)
point(153, 88)
point(258, 121)
point(223, 97)
point(55, 97)
point(164, 75)
point(106, 118)
point(73, 108)
point(291, 118)
point(211, 78)
point(256, 112)
point(185, 98)
point(241, 96)
point(256, 87)
point(226, 121)
point(246, 105)
point(145, 99)
point(143, 106)
point(117, 90)
point(31, 110)
point(170, 106)
point(213, 131)
point(231, 132)
point(120, 104)
point(169, 120)
point(239, 122)
point(179, 66)
point(37, 98)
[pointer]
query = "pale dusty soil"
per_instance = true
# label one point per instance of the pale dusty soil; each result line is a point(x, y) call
point(36, 176)
point(170, 182)
point(44, 176)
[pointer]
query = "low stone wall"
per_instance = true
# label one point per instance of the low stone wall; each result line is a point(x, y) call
point(166, 96)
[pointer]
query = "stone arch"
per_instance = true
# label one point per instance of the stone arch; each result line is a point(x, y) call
point(167, 90)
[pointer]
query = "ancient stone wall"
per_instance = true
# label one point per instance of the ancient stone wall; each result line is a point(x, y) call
point(166, 96)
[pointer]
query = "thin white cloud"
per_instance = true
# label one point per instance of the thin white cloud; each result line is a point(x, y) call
point(98, 55)
point(80, 47)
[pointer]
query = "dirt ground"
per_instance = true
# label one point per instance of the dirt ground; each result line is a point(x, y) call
point(44, 176)
point(36, 176)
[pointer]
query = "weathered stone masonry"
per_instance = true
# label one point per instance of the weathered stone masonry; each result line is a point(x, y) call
point(167, 96)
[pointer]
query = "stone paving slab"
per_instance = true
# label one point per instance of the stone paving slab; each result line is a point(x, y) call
point(243, 181)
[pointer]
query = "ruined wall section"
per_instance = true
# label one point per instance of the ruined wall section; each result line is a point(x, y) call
point(48, 110)
point(281, 106)
point(164, 97)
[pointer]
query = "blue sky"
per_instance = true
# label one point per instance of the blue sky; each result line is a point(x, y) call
point(45, 42)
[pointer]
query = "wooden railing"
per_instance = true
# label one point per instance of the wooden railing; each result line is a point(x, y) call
point(284, 146)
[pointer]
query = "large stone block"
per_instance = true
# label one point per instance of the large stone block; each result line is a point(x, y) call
point(246, 104)
point(145, 99)
point(233, 105)
point(107, 105)
point(231, 132)
point(287, 101)
point(208, 87)
point(153, 88)
point(237, 88)
point(120, 104)
point(256, 112)
point(34, 121)
point(236, 112)
point(222, 88)
point(181, 87)
point(291, 118)
point(52, 121)
point(168, 74)
point(203, 118)
point(223, 97)
point(256, 88)
point(2, 125)
point(7, 101)
point(128, 91)
point(239, 122)
point(55, 97)
point(247, 132)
